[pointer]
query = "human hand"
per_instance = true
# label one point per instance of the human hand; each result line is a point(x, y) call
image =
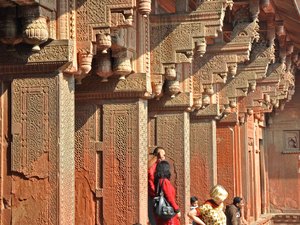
point(179, 214)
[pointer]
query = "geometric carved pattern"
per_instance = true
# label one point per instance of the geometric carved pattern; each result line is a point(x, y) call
point(121, 163)
point(34, 150)
point(201, 158)
point(170, 135)
point(88, 164)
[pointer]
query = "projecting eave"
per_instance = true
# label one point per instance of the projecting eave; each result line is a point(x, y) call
point(289, 11)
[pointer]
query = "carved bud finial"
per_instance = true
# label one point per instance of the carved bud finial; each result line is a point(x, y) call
point(252, 86)
point(174, 87)
point(232, 69)
point(158, 90)
point(250, 112)
point(170, 71)
point(145, 7)
point(122, 66)
point(35, 32)
point(209, 90)
point(104, 67)
point(103, 42)
point(205, 100)
point(197, 103)
point(267, 98)
point(85, 66)
point(242, 119)
point(201, 46)
point(232, 103)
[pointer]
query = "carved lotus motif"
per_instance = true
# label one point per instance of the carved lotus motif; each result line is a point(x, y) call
point(170, 72)
point(104, 67)
point(103, 42)
point(174, 87)
point(122, 67)
point(35, 32)
point(85, 65)
point(9, 32)
point(198, 103)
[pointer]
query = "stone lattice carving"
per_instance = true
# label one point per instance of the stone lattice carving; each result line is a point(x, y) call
point(35, 115)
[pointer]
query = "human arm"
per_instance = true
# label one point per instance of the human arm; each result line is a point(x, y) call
point(193, 215)
point(151, 185)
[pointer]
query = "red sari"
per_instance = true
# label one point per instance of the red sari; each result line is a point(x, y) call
point(170, 195)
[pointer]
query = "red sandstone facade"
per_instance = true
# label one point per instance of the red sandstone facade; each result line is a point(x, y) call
point(89, 87)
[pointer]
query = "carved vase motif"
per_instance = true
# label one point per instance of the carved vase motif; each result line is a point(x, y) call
point(145, 7)
point(232, 69)
point(103, 42)
point(35, 32)
point(170, 72)
point(198, 103)
point(104, 67)
point(9, 32)
point(201, 47)
point(174, 87)
point(158, 89)
point(205, 100)
point(85, 66)
point(122, 67)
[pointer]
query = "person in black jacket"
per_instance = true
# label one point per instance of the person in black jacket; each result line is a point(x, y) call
point(233, 211)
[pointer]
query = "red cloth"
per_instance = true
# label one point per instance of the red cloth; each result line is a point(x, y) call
point(151, 185)
point(170, 195)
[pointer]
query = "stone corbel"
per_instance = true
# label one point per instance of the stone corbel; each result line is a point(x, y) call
point(10, 34)
point(34, 26)
point(242, 118)
point(82, 67)
point(232, 69)
point(157, 82)
point(103, 40)
point(122, 66)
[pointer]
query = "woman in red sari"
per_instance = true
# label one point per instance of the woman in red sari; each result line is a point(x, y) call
point(162, 176)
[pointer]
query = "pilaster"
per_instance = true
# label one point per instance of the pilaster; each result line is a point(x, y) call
point(171, 130)
point(203, 156)
point(42, 148)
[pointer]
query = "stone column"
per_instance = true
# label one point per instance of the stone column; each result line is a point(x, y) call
point(42, 156)
point(203, 157)
point(66, 140)
point(173, 134)
point(125, 162)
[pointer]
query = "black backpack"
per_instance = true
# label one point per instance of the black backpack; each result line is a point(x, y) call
point(162, 207)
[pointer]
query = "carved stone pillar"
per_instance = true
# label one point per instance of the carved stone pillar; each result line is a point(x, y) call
point(43, 147)
point(171, 130)
point(229, 155)
point(203, 157)
point(34, 26)
point(125, 162)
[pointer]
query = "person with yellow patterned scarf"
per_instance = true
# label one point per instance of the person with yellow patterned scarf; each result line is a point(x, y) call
point(211, 212)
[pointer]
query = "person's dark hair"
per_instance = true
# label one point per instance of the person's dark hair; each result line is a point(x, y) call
point(162, 171)
point(237, 200)
point(193, 199)
point(155, 151)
